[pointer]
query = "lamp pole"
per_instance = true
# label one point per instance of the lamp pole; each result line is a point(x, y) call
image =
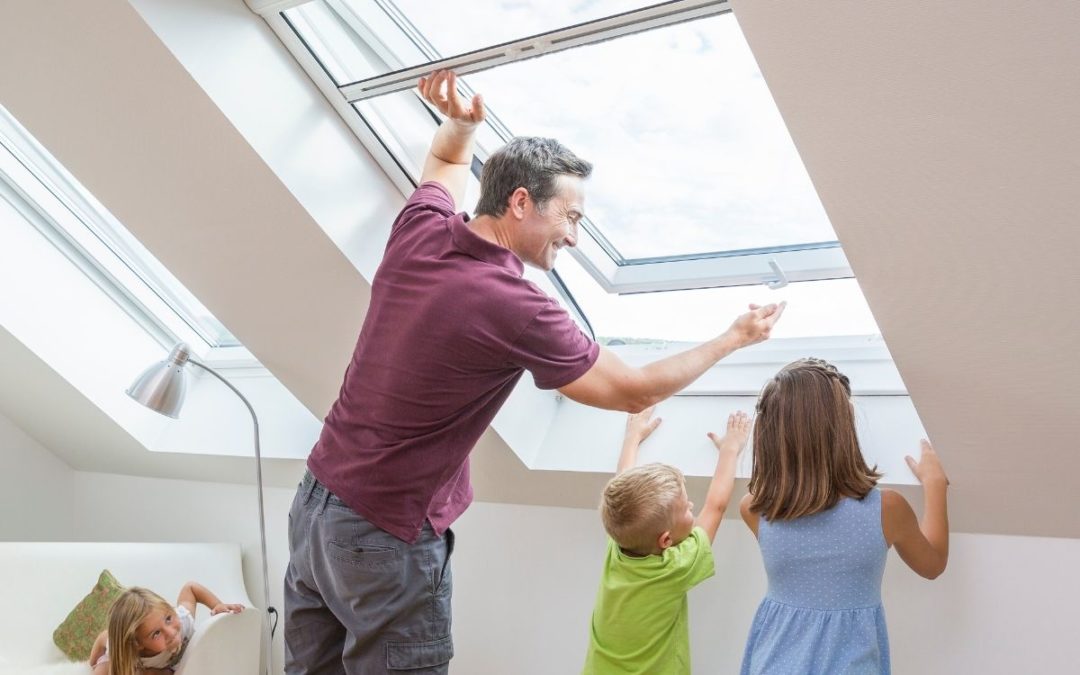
point(262, 510)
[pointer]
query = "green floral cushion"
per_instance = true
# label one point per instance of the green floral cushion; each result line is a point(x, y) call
point(75, 636)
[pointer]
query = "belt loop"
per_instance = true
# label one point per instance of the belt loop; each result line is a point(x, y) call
point(309, 485)
point(324, 498)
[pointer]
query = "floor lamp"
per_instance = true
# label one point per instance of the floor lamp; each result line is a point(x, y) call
point(161, 388)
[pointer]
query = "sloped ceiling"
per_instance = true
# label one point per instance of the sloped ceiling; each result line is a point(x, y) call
point(939, 137)
point(942, 139)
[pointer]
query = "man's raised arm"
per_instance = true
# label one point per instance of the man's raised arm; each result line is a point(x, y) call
point(450, 157)
point(615, 385)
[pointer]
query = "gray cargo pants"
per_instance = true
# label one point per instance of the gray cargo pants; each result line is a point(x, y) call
point(359, 600)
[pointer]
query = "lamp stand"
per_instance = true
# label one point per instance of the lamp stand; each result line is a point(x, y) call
point(268, 635)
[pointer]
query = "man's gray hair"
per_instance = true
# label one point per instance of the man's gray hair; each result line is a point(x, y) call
point(529, 162)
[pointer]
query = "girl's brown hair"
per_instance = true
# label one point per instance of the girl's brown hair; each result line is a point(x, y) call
point(806, 453)
point(125, 615)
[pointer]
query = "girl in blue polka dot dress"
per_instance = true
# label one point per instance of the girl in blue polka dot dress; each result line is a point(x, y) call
point(824, 529)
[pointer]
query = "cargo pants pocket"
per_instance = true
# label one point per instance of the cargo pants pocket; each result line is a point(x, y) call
point(420, 658)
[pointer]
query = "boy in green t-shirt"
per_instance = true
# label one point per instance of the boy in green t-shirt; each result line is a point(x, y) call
point(656, 553)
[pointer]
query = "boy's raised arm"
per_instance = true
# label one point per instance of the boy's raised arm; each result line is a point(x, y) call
point(723, 481)
point(638, 427)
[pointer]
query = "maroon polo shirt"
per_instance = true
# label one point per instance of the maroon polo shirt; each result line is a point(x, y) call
point(450, 329)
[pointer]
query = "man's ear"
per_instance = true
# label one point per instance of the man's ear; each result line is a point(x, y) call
point(519, 200)
point(664, 541)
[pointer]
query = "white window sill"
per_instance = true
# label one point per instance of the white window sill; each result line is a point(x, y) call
point(550, 432)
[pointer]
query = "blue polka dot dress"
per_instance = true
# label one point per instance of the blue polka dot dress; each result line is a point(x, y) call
point(822, 614)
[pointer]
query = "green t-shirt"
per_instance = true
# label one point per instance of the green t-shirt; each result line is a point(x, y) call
point(639, 624)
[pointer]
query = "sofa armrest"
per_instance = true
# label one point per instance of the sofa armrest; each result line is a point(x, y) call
point(225, 644)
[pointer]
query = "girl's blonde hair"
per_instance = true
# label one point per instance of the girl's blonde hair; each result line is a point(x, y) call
point(806, 452)
point(638, 505)
point(126, 614)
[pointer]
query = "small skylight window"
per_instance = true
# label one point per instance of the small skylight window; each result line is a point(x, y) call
point(83, 229)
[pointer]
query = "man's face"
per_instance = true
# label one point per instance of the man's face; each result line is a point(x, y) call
point(543, 234)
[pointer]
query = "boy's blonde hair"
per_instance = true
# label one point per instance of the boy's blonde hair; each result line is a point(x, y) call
point(638, 505)
point(125, 615)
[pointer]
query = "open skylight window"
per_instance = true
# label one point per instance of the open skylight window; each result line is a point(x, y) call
point(679, 242)
point(697, 182)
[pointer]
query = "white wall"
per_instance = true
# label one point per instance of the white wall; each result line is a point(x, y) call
point(525, 581)
point(35, 489)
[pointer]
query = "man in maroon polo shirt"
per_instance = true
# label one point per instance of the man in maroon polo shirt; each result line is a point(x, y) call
point(451, 327)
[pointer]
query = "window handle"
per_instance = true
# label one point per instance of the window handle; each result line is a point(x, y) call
point(781, 279)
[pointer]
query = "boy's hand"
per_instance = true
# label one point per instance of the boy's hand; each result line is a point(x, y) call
point(640, 425)
point(738, 430)
point(224, 607)
point(928, 469)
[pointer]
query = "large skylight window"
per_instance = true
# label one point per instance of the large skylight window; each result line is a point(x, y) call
point(698, 206)
point(67, 214)
point(697, 183)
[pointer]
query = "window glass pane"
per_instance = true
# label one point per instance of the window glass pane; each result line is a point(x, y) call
point(690, 153)
point(357, 39)
point(459, 26)
point(343, 51)
point(815, 309)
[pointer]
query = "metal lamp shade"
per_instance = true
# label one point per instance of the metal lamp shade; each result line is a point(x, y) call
point(162, 386)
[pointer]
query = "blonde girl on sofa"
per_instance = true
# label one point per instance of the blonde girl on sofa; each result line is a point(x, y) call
point(147, 635)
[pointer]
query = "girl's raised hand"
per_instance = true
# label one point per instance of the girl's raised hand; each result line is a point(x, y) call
point(928, 469)
point(734, 439)
point(224, 607)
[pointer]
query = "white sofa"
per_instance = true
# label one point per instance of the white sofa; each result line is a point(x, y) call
point(40, 582)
